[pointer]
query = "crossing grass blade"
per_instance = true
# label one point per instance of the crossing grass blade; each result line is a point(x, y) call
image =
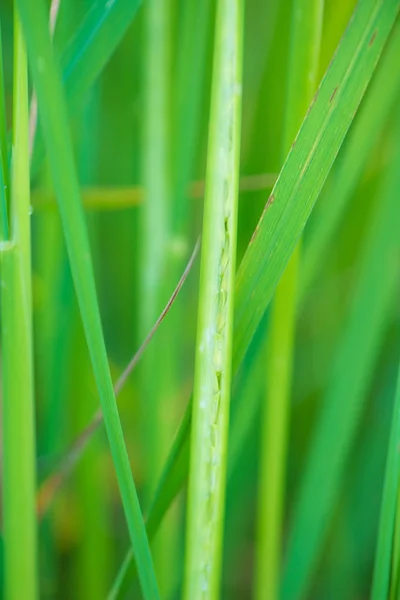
point(87, 53)
point(54, 122)
point(342, 404)
point(300, 181)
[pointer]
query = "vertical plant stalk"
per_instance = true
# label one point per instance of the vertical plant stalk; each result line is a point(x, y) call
point(306, 29)
point(19, 451)
point(211, 396)
point(157, 392)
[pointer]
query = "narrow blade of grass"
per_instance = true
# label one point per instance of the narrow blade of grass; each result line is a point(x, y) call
point(88, 51)
point(54, 122)
point(211, 396)
point(351, 373)
point(302, 178)
point(18, 427)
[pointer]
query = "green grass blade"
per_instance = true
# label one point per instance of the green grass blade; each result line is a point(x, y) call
point(305, 170)
point(57, 137)
point(18, 427)
point(212, 384)
point(351, 161)
point(306, 29)
point(351, 373)
point(88, 51)
point(387, 519)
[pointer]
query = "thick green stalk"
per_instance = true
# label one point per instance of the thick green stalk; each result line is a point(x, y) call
point(54, 121)
point(19, 460)
point(306, 29)
point(207, 474)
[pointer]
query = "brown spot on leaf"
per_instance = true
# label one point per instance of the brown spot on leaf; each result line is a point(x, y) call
point(269, 202)
point(253, 237)
point(333, 94)
point(373, 36)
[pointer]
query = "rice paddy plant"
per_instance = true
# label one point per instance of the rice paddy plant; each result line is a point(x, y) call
point(239, 438)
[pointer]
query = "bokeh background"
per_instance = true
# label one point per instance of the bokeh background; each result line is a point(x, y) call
point(123, 147)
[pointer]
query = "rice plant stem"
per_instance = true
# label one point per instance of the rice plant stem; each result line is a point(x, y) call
point(211, 396)
point(19, 464)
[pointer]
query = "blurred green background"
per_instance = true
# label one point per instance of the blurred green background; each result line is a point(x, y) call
point(83, 536)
